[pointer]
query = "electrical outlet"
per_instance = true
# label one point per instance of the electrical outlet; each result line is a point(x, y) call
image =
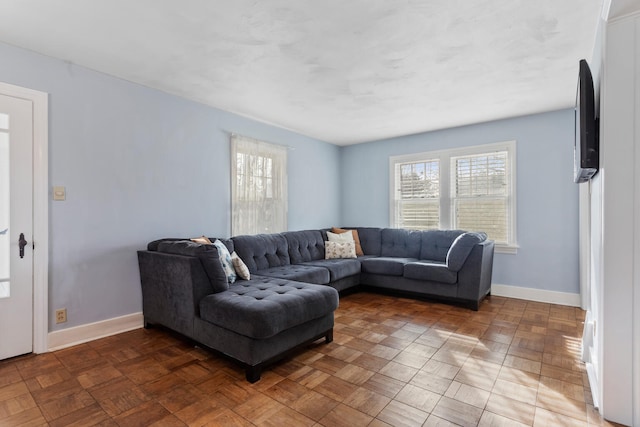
point(61, 315)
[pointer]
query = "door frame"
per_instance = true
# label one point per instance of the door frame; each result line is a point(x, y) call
point(40, 102)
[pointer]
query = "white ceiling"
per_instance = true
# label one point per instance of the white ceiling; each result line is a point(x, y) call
point(342, 71)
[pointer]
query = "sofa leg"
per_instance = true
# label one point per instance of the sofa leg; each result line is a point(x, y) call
point(147, 325)
point(329, 337)
point(253, 373)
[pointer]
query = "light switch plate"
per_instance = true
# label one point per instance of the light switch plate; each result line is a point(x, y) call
point(59, 193)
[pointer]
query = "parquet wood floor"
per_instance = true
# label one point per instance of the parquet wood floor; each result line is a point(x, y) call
point(393, 362)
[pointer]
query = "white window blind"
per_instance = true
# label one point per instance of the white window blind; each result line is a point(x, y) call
point(418, 195)
point(259, 186)
point(480, 194)
point(472, 188)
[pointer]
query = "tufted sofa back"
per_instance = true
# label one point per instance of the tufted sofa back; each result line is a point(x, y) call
point(436, 243)
point(262, 251)
point(427, 245)
point(305, 245)
point(401, 243)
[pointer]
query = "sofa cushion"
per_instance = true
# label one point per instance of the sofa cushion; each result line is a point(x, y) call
point(397, 242)
point(461, 248)
point(370, 239)
point(262, 251)
point(431, 271)
point(208, 255)
point(390, 266)
point(299, 273)
point(338, 268)
point(304, 245)
point(435, 244)
point(265, 306)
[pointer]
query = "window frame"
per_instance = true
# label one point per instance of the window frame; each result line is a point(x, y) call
point(447, 181)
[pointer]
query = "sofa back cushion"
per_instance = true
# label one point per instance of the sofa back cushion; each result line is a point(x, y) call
point(370, 239)
point(461, 248)
point(305, 246)
point(208, 255)
point(397, 242)
point(436, 244)
point(262, 251)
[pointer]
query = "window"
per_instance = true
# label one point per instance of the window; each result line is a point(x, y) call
point(259, 186)
point(472, 188)
point(419, 196)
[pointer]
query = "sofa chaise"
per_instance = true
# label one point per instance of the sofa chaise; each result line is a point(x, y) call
point(293, 289)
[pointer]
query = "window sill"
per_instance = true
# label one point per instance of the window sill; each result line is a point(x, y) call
point(506, 249)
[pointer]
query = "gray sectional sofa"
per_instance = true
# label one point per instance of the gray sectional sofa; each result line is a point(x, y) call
point(293, 290)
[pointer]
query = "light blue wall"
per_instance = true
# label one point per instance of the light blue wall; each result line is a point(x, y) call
point(547, 198)
point(139, 164)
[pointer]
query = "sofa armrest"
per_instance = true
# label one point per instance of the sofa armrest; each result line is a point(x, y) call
point(461, 248)
point(208, 256)
point(474, 278)
point(172, 287)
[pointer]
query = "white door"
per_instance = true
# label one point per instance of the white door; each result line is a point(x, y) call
point(16, 220)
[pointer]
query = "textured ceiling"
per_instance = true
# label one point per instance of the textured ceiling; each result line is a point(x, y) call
point(339, 71)
point(620, 8)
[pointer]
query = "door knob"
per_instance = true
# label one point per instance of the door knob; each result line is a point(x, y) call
point(21, 244)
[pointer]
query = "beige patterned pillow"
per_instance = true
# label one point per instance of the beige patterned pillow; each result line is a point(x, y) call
point(241, 268)
point(334, 250)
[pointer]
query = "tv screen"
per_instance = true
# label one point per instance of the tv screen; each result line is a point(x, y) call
point(586, 150)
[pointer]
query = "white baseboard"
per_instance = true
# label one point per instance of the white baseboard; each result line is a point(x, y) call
point(538, 295)
point(593, 384)
point(92, 331)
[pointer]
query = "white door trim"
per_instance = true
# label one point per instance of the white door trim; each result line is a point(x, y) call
point(40, 210)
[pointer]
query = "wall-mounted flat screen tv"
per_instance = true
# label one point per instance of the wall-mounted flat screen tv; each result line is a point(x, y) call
point(586, 145)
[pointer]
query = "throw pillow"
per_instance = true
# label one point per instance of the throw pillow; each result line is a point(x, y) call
point(356, 238)
point(204, 240)
point(241, 268)
point(225, 260)
point(333, 250)
point(340, 237)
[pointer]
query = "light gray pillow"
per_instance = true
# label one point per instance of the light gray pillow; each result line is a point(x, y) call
point(241, 268)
